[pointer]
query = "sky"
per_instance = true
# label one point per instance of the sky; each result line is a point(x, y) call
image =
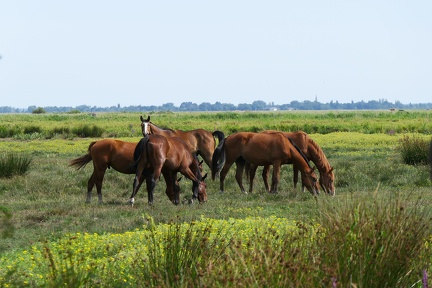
point(109, 53)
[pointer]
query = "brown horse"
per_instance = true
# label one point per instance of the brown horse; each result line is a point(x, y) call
point(260, 149)
point(312, 151)
point(105, 154)
point(200, 141)
point(156, 154)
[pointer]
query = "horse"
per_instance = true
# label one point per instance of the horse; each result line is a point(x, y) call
point(260, 149)
point(199, 140)
point(312, 151)
point(106, 154)
point(156, 154)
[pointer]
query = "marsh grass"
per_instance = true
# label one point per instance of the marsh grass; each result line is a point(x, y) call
point(378, 242)
point(12, 164)
point(414, 150)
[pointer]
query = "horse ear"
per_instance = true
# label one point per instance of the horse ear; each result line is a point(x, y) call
point(148, 119)
point(204, 177)
point(142, 119)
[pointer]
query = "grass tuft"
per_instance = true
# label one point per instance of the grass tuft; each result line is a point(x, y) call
point(12, 164)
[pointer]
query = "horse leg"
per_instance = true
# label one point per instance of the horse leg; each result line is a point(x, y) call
point(223, 174)
point(265, 174)
point(139, 178)
point(151, 184)
point(252, 172)
point(239, 174)
point(295, 178)
point(275, 178)
point(90, 185)
point(95, 179)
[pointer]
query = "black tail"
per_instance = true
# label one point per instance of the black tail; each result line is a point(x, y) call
point(139, 149)
point(218, 158)
point(219, 134)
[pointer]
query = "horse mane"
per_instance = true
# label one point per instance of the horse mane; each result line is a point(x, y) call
point(301, 152)
point(320, 156)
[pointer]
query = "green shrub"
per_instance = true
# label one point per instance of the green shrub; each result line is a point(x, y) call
point(13, 164)
point(8, 132)
point(414, 150)
point(88, 131)
point(39, 110)
point(32, 129)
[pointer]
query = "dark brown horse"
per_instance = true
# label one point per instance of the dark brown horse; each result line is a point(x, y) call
point(312, 151)
point(105, 154)
point(156, 154)
point(260, 149)
point(200, 141)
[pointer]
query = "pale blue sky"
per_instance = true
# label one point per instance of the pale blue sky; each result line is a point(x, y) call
point(104, 53)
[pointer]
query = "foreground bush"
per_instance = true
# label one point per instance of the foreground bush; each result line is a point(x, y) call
point(383, 245)
point(12, 164)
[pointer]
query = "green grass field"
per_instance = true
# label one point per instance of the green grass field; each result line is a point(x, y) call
point(48, 203)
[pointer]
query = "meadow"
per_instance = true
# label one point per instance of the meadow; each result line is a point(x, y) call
point(375, 232)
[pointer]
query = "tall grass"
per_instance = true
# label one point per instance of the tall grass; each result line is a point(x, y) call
point(414, 150)
point(378, 243)
point(12, 164)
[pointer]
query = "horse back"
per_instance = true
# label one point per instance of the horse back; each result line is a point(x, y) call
point(114, 153)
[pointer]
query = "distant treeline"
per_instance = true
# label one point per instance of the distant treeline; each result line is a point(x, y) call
point(218, 106)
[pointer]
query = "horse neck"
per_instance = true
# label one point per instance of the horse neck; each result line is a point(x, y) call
point(317, 156)
point(299, 161)
point(156, 130)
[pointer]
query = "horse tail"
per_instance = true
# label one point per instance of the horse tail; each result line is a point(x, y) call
point(139, 149)
point(301, 152)
point(219, 134)
point(82, 161)
point(218, 158)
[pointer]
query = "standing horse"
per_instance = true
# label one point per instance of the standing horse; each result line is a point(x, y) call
point(156, 154)
point(105, 154)
point(260, 149)
point(312, 151)
point(199, 140)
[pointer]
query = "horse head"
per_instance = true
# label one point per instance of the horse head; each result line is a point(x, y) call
point(327, 181)
point(172, 194)
point(201, 190)
point(310, 181)
point(145, 126)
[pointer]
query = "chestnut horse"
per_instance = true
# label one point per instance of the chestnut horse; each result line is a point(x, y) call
point(156, 154)
point(260, 149)
point(312, 151)
point(105, 154)
point(200, 141)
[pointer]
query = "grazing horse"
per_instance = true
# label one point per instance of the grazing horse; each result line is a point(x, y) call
point(199, 140)
point(105, 154)
point(156, 154)
point(312, 151)
point(260, 149)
